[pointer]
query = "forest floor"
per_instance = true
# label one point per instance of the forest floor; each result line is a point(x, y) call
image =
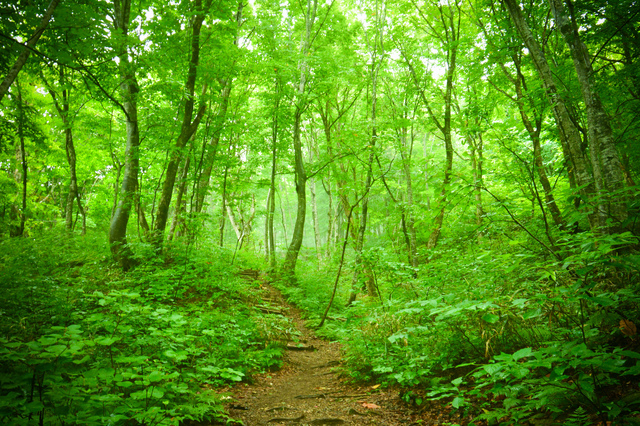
point(310, 390)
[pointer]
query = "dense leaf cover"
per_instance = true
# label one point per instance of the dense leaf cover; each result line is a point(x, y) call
point(447, 187)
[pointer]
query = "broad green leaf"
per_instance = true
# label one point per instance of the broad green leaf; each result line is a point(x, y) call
point(457, 402)
point(490, 318)
point(522, 353)
point(154, 376)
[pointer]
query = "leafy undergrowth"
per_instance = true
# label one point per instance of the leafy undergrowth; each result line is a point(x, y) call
point(83, 343)
point(504, 337)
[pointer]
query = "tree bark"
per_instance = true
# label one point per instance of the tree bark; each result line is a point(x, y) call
point(376, 49)
point(31, 43)
point(291, 258)
point(189, 125)
point(21, 213)
point(568, 133)
point(129, 89)
point(271, 207)
point(603, 153)
point(178, 215)
point(209, 152)
point(63, 111)
point(301, 194)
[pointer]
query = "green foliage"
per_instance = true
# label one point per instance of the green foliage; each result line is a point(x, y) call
point(506, 337)
point(82, 342)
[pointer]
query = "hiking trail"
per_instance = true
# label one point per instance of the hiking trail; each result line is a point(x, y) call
point(309, 390)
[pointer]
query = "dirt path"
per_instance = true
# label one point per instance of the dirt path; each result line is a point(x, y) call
point(309, 391)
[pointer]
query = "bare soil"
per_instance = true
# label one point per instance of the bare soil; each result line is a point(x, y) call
point(310, 390)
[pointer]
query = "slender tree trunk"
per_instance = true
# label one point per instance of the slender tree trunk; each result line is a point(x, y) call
point(376, 49)
point(129, 89)
point(301, 194)
point(426, 173)
point(18, 231)
point(569, 134)
point(237, 228)
point(475, 147)
point(209, 153)
point(408, 222)
point(64, 113)
point(534, 134)
point(603, 152)
point(284, 208)
point(224, 205)
point(189, 124)
point(331, 219)
point(314, 207)
point(178, 215)
point(31, 43)
point(291, 258)
point(316, 223)
point(271, 208)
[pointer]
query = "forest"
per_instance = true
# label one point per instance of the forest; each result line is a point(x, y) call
point(446, 188)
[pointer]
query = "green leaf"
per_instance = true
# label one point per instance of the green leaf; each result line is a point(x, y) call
point(34, 406)
point(56, 349)
point(532, 313)
point(492, 369)
point(106, 341)
point(491, 318)
point(457, 402)
point(522, 353)
point(155, 376)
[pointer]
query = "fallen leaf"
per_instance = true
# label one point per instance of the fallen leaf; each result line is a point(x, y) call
point(375, 387)
point(370, 406)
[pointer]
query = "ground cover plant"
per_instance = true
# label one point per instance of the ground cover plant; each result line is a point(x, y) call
point(553, 340)
point(88, 344)
point(446, 187)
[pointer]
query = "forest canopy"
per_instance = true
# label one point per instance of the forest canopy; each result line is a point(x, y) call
point(445, 186)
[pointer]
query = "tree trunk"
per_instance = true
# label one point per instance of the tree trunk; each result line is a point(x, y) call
point(569, 134)
point(189, 125)
point(63, 112)
point(21, 153)
point(22, 58)
point(129, 90)
point(224, 205)
point(301, 194)
point(408, 222)
point(178, 215)
point(603, 153)
point(209, 152)
point(376, 49)
point(291, 258)
point(271, 207)
point(331, 219)
point(534, 134)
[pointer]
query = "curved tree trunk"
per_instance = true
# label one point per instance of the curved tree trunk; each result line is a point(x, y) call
point(209, 152)
point(63, 111)
point(603, 153)
point(22, 58)
point(291, 258)
point(189, 125)
point(568, 133)
point(129, 90)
